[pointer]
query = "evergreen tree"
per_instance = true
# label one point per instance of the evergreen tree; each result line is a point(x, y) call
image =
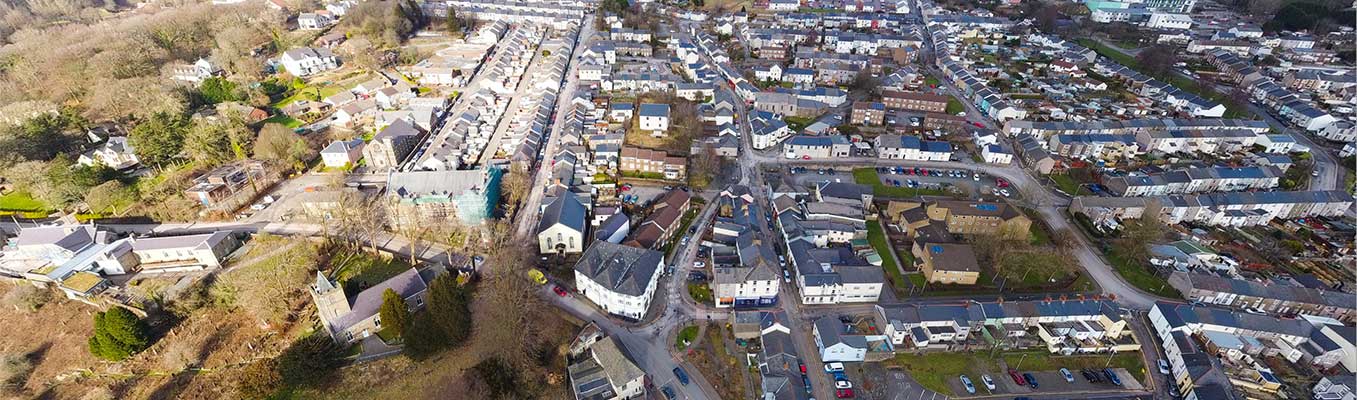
point(118, 334)
point(395, 313)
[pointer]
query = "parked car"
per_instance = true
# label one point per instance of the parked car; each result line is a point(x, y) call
point(1031, 380)
point(834, 367)
point(843, 384)
point(1017, 378)
point(1163, 367)
point(1068, 376)
point(1112, 376)
point(668, 392)
point(682, 376)
point(806, 381)
point(787, 277)
point(839, 375)
point(559, 291)
point(970, 388)
point(802, 366)
point(989, 382)
point(1091, 377)
point(843, 393)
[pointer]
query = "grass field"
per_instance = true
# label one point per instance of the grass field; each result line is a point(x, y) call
point(877, 236)
point(284, 120)
point(685, 336)
point(365, 270)
point(1067, 184)
point(868, 176)
point(21, 202)
point(1140, 277)
point(954, 106)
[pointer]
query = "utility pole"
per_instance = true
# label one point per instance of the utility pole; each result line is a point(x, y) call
point(1109, 358)
point(1020, 360)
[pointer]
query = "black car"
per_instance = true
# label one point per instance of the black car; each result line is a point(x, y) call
point(1031, 380)
point(669, 393)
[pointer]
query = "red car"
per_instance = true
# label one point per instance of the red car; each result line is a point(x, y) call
point(559, 291)
point(843, 393)
point(1001, 182)
point(803, 367)
point(1017, 378)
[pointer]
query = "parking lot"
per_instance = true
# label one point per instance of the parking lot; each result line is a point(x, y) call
point(1048, 382)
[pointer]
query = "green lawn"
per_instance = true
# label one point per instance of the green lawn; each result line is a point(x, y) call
point(685, 337)
point(1141, 277)
point(934, 370)
point(1067, 184)
point(700, 292)
point(22, 202)
point(283, 119)
point(931, 81)
point(1038, 236)
point(954, 106)
point(877, 236)
point(365, 270)
point(797, 123)
point(868, 176)
point(917, 279)
point(388, 336)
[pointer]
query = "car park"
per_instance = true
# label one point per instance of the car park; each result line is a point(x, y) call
point(970, 388)
point(1068, 376)
point(1031, 380)
point(989, 382)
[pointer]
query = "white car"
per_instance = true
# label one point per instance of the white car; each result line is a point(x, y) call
point(989, 382)
point(699, 264)
point(834, 367)
point(843, 385)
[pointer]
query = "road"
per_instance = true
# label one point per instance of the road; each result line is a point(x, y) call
point(1329, 170)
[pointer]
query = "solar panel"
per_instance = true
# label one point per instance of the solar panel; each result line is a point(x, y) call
point(987, 207)
point(936, 249)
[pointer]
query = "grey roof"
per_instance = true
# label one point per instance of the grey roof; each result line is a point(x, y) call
point(450, 182)
point(367, 302)
point(612, 224)
point(831, 333)
point(400, 127)
point(622, 269)
point(185, 241)
point(565, 210)
point(654, 110)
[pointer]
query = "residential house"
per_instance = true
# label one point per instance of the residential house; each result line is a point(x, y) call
point(1276, 298)
point(898, 147)
point(114, 153)
point(949, 263)
point(342, 153)
point(619, 279)
point(912, 101)
point(307, 61)
point(816, 147)
point(664, 219)
point(868, 113)
point(607, 372)
point(654, 118)
point(646, 161)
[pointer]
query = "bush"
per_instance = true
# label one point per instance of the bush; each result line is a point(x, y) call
point(259, 380)
point(27, 297)
point(14, 370)
point(499, 376)
point(118, 334)
point(446, 322)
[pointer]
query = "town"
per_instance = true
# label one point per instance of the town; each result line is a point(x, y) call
point(679, 199)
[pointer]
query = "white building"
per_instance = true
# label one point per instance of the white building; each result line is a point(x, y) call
point(619, 279)
point(314, 21)
point(341, 154)
point(115, 153)
point(308, 61)
point(654, 118)
point(996, 154)
point(834, 345)
point(561, 227)
point(1169, 21)
point(767, 130)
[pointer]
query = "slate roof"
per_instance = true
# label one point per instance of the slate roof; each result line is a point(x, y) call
point(565, 210)
point(622, 269)
point(367, 302)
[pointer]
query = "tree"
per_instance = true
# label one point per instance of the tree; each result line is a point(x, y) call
point(209, 144)
point(280, 145)
point(1157, 60)
point(395, 314)
point(118, 334)
point(451, 21)
point(160, 139)
point(517, 183)
point(309, 361)
point(449, 306)
point(109, 196)
point(217, 90)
